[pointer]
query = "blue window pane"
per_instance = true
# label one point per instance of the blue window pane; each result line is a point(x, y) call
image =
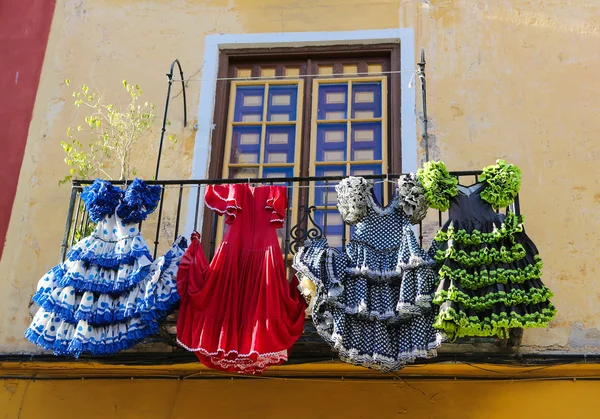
point(331, 142)
point(282, 103)
point(333, 101)
point(369, 169)
point(282, 172)
point(249, 104)
point(366, 141)
point(327, 194)
point(366, 100)
point(334, 231)
point(243, 173)
point(245, 145)
point(280, 144)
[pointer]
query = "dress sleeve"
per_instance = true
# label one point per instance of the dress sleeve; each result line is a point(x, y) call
point(223, 199)
point(438, 184)
point(352, 198)
point(503, 182)
point(412, 198)
point(140, 200)
point(277, 204)
point(100, 199)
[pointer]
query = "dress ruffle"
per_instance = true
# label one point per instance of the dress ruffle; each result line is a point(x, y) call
point(372, 304)
point(239, 313)
point(139, 201)
point(353, 198)
point(457, 321)
point(100, 199)
point(109, 293)
point(110, 252)
point(412, 197)
point(439, 185)
point(489, 278)
point(72, 320)
point(503, 184)
point(223, 199)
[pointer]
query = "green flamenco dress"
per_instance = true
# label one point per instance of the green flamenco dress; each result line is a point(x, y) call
point(489, 269)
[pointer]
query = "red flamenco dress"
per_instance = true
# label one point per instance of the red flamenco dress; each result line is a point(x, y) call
point(239, 313)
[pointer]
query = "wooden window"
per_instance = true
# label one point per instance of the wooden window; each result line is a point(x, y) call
point(307, 111)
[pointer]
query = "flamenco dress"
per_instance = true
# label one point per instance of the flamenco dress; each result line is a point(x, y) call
point(372, 302)
point(489, 269)
point(108, 294)
point(239, 313)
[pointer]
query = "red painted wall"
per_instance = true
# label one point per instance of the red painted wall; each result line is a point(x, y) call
point(24, 30)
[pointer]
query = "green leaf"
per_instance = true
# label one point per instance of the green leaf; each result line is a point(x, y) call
point(67, 82)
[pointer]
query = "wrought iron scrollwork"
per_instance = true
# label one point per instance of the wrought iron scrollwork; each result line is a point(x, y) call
point(303, 230)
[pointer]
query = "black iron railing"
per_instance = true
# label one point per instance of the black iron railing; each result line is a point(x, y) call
point(168, 221)
point(181, 196)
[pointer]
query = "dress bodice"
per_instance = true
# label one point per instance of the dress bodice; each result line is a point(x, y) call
point(251, 213)
point(379, 221)
point(469, 205)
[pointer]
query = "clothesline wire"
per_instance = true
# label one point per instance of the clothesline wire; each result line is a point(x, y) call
point(289, 187)
point(414, 71)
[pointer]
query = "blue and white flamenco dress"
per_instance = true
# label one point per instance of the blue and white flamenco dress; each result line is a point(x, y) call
point(109, 294)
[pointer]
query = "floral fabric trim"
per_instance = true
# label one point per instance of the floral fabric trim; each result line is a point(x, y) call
point(439, 185)
point(100, 199)
point(139, 201)
point(353, 198)
point(503, 184)
point(412, 198)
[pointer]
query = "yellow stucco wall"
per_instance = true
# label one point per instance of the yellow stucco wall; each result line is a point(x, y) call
point(513, 79)
point(290, 399)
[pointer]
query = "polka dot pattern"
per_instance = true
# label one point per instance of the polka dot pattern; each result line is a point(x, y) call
point(373, 302)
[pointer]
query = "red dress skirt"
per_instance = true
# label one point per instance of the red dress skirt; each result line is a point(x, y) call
point(239, 313)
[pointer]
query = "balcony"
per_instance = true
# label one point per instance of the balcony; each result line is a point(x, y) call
point(311, 213)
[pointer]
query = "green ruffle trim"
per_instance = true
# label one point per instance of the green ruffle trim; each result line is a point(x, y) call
point(458, 324)
point(503, 184)
point(439, 185)
point(512, 224)
point(514, 297)
point(473, 281)
point(484, 256)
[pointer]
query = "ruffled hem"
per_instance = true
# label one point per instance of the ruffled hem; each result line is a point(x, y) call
point(79, 338)
point(511, 225)
point(232, 361)
point(511, 298)
point(456, 324)
point(484, 277)
point(377, 361)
